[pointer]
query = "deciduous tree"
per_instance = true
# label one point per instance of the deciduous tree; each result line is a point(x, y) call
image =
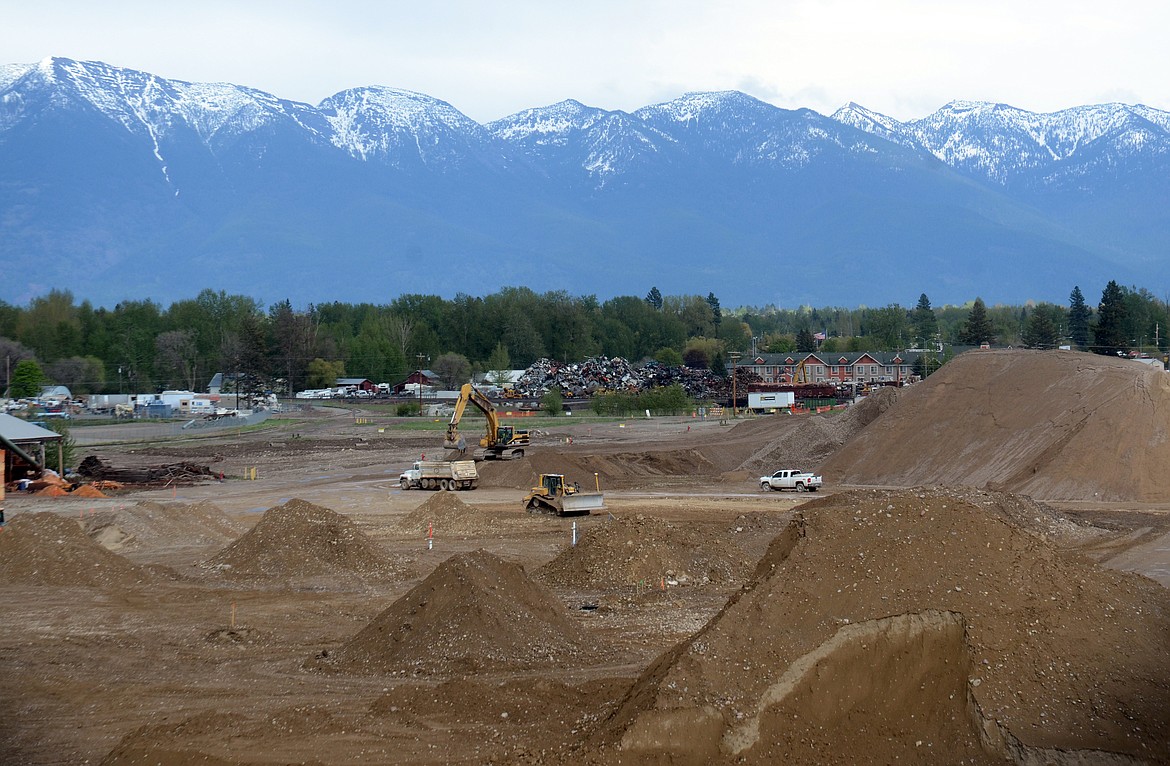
point(27, 379)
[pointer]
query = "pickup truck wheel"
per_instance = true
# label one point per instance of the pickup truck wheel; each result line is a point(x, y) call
point(800, 487)
point(765, 486)
point(405, 483)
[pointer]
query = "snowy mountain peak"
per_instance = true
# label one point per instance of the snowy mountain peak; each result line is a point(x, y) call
point(398, 126)
point(695, 106)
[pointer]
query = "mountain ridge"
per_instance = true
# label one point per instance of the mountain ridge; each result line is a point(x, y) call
point(706, 192)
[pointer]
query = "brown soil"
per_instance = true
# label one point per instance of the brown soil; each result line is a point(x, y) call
point(148, 524)
point(475, 612)
point(907, 625)
point(648, 550)
point(444, 514)
point(297, 540)
point(48, 549)
point(963, 618)
point(1055, 425)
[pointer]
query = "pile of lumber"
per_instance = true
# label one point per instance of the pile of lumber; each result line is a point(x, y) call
point(93, 467)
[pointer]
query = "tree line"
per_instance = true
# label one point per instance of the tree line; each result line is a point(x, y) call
point(140, 346)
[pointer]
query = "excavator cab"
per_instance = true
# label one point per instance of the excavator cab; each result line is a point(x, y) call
point(505, 434)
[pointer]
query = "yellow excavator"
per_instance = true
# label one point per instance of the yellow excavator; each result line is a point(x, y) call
point(556, 496)
point(501, 442)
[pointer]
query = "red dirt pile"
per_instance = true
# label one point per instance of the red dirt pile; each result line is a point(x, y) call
point(643, 549)
point(299, 539)
point(48, 549)
point(446, 514)
point(475, 612)
point(1055, 425)
point(148, 524)
point(916, 626)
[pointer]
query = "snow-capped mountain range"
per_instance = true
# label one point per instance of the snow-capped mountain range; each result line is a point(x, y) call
point(119, 184)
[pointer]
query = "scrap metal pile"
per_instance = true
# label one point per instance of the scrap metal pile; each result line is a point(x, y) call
point(599, 374)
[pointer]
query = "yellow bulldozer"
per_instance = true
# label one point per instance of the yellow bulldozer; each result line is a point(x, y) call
point(556, 496)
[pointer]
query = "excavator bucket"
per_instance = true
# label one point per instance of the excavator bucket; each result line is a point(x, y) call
point(582, 503)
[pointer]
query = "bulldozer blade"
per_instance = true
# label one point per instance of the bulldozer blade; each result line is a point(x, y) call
point(582, 503)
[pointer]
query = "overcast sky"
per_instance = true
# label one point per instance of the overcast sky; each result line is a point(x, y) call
point(904, 58)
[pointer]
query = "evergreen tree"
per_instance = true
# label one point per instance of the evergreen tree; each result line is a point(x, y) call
point(924, 321)
point(1041, 331)
point(1078, 319)
point(654, 298)
point(805, 342)
point(716, 313)
point(1109, 334)
point(977, 330)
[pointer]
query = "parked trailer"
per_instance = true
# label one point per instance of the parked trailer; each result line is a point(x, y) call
point(440, 474)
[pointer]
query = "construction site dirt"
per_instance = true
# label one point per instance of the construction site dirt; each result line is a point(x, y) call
point(983, 579)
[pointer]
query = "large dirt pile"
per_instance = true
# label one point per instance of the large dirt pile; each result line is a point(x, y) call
point(475, 612)
point(1055, 425)
point(912, 626)
point(48, 549)
point(815, 437)
point(445, 513)
point(299, 539)
point(148, 524)
point(644, 549)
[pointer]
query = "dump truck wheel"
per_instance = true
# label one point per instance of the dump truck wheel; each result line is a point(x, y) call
point(443, 485)
point(405, 483)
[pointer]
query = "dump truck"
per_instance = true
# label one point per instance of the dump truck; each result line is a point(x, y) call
point(440, 474)
point(501, 442)
point(556, 496)
point(791, 478)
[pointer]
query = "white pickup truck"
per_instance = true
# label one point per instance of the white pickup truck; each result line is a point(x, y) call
point(801, 481)
point(440, 474)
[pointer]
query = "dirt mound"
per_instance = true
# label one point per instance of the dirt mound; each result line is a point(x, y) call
point(1055, 425)
point(475, 612)
point(446, 514)
point(917, 627)
point(148, 524)
point(613, 469)
point(814, 438)
point(643, 549)
point(299, 539)
point(48, 549)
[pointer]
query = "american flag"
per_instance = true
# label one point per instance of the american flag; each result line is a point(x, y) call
point(818, 336)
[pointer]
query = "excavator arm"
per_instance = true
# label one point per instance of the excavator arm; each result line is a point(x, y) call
point(469, 394)
point(499, 441)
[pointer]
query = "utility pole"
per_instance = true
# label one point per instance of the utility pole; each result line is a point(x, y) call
point(735, 355)
point(420, 358)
